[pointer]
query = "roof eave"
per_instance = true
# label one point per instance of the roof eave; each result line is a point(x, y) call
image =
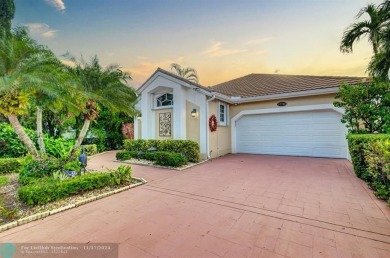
point(174, 78)
point(284, 95)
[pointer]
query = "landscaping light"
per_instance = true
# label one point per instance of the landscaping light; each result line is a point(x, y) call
point(194, 113)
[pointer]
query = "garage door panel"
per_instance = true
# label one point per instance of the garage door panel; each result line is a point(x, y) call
point(308, 133)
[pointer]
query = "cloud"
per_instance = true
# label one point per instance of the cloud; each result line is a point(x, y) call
point(258, 41)
point(217, 50)
point(142, 70)
point(41, 30)
point(58, 4)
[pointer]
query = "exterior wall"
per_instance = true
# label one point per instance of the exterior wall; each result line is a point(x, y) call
point(157, 124)
point(139, 133)
point(220, 140)
point(192, 123)
point(291, 102)
point(183, 95)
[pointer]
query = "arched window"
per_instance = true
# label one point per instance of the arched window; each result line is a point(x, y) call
point(165, 100)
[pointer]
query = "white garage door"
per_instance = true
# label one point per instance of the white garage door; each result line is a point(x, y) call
point(307, 133)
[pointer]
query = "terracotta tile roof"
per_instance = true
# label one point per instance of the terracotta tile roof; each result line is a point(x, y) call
point(253, 85)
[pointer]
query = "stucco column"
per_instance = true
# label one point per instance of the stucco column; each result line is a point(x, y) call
point(179, 113)
point(146, 115)
point(202, 123)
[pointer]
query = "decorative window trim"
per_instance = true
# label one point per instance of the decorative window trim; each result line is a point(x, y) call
point(225, 122)
point(155, 101)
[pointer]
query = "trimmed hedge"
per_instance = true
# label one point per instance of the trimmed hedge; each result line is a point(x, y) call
point(126, 155)
point(370, 155)
point(169, 159)
point(358, 145)
point(10, 165)
point(187, 148)
point(162, 158)
point(48, 189)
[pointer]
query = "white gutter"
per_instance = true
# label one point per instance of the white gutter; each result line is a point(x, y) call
point(207, 127)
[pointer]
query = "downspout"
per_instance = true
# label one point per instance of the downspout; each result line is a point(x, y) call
point(207, 128)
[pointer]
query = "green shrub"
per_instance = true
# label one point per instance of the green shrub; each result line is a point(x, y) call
point(377, 157)
point(10, 165)
point(187, 148)
point(48, 189)
point(33, 169)
point(60, 176)
point(58, 147)
point(10, 145)
point(162, 158)
point(170, 159)
point(126, 155)
point(91, 149)
point(358, 145)
point(73, 166)
point(121, 175)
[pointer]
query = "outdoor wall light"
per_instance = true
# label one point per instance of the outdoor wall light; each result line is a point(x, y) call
point(194, 113)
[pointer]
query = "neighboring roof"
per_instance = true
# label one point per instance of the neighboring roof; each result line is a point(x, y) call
point(254, 85)
point(176, 77)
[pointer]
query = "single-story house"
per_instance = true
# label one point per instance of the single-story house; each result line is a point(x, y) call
point(257, 113)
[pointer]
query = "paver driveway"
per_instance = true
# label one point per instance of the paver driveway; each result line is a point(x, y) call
point(234, 206)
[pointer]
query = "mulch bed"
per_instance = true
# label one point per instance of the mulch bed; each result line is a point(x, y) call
point(144, 162)
point(9, 195)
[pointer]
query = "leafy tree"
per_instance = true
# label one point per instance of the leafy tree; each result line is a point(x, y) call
point(7, 11)
point(25, 69)
point(106, 86)
point(367, 106)
point(185, 72)
point(109, 127)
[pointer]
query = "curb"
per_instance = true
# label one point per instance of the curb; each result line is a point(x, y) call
point(45, 214)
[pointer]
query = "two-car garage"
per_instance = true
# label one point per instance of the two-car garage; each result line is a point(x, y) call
point(313, 133)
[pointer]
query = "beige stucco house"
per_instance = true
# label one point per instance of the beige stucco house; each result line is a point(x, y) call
point(258, 113)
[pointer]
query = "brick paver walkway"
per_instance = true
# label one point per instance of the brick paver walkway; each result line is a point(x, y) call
point(234, 206)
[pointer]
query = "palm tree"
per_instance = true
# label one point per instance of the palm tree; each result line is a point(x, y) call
point(380, 64)
point(22, 63)
point(373, 28)
point(185, 72)
point(61, 91)
point(106, 86)
point(30, 72)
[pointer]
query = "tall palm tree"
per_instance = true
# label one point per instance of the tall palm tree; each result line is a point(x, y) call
point(101, 85)
point(22, 63)
point(185, 72)
point(373, 28)
point(380, 63)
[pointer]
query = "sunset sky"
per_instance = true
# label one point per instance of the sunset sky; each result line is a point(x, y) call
point(221, 39)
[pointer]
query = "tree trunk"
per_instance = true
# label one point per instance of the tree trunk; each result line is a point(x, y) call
point(23, 136)
point(41, 143)
point(80, 139)
point(375, 47)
